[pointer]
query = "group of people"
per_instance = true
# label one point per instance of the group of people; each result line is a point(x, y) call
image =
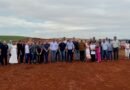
point(31, 52)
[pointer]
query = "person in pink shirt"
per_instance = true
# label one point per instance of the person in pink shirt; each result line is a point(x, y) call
point(98, 53)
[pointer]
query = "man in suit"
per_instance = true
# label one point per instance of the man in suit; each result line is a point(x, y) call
point(46, 51)
point(39, 52)
point(5, 52)
point(18, 49)
point(22, 51)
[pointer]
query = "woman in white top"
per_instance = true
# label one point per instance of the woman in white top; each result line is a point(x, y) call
point(127, 49)
point(13, 59)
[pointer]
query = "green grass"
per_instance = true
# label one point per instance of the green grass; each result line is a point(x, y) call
point(13, 38)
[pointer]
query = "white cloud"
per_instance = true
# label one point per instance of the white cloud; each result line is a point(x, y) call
point(65, 16)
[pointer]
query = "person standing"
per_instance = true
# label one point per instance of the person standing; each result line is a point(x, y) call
point(70, 49)
point(127, 49)
point(18, 49)
point(27, 53)
point(39, 52)
point(105, 50)
point(100, 45)
point(110, 50)
point(58, 52)
point(46, 50)
point(116, 45)
point(65, 41)
point(5, 53)
point(88, 55)
point(42, 52)
point(22, 52)
point(98, 52)
point(32, 53)
point(82, 48)
point(62, 47)
point(1, 58)
point(9, 49)
point(93, 52)
point(53, 50)
point(13, 59)
point(76, 50)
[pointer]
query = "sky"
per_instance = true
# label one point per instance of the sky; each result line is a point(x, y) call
point(65, 18)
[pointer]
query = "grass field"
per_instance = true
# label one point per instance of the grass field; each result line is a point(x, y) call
point(13, 38)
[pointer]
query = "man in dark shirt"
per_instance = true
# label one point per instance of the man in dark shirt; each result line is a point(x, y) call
point(5, 52)
point(22, 51)
point(38, 52)
point(76, 50)
point(18, 49)
point(1, 59)
point(43, 52)
point(46, 51)
point(62, 47)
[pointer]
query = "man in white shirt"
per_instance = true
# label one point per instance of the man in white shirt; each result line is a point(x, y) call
point(53, 49)
point(27, 53)
point(116, 46)
point(70, 49)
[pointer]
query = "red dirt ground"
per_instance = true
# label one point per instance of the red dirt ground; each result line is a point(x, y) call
point(113, 75)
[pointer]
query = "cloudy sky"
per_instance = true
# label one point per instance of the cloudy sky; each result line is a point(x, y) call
point(69, 18)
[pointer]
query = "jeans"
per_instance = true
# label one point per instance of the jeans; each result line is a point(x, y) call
point(32, 58)
point(46, 55)
point(58, 56)
point(105, 54)
point(39, 57)
point(53, 56)
point(27, 57)
point(62, 54)
point(70, 55)
point(110, 57)
point(77, 54)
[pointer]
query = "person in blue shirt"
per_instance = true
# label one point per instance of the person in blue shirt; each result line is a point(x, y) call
point(70, 49)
